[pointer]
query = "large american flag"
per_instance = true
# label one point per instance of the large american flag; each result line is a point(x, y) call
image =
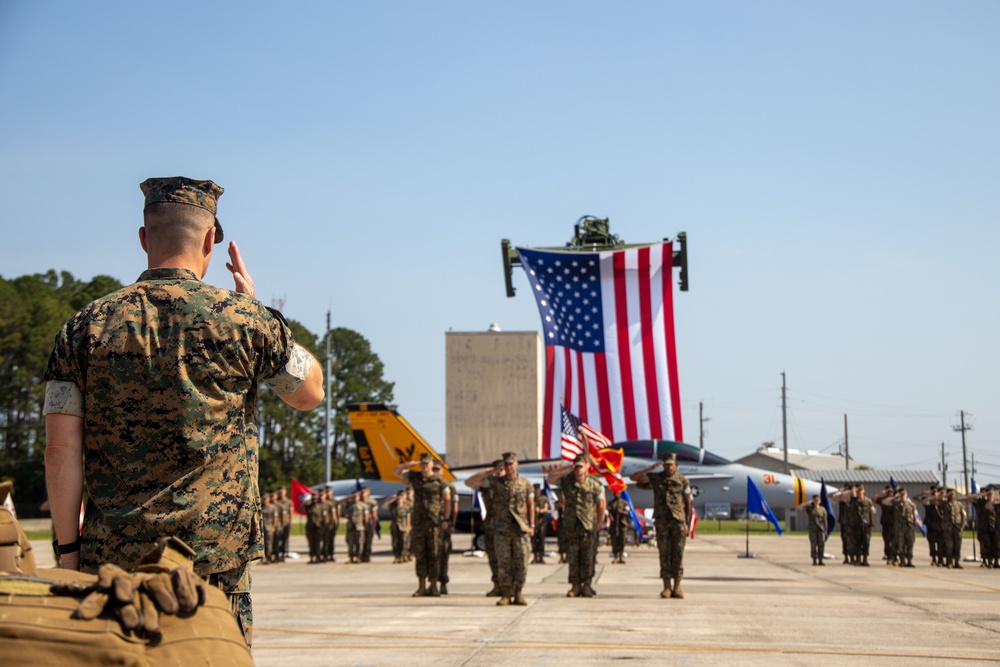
point(608, 324)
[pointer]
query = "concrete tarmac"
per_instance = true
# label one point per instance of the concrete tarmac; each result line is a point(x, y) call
point(776, 609)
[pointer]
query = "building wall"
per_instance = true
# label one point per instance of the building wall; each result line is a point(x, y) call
point(493, 396)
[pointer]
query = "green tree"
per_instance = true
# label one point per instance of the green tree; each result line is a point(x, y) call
point(291, 442)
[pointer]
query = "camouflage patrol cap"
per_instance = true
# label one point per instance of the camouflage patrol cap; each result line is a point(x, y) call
point(180, 190)
point(668, 457)
point(580, 460)
point(425, 458)
point(509, 457)
point(498, 463)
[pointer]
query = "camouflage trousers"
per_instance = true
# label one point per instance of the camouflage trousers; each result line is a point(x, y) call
point(445, 556)
point(581, 550)
point(618, 540)
point(902, 542)
point(817, 542)
point(314, 539)
point(427, 550)
point(671, 536)
point(235, 584)
point(889, 546)
point(354, 535)
point(952, 543)
point(489, 538)
point(397, 540)
point(329, 537)
point(366, 547)
point(538, 538)
point(513, 549)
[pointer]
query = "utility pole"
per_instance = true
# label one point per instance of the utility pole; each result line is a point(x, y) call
point(326, 419)
point(701, 424)
point(847, 450)
point(784, 423)
point(944, 468)
point(965, 461)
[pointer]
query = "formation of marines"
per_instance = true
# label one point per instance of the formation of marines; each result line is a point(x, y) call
point(322, 521)
point(276, 520)
point(856, 516)
point(517, 514)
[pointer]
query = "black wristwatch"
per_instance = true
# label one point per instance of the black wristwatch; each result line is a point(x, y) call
point(63, 549)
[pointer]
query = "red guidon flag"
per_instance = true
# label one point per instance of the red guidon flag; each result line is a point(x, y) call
point(300, 495)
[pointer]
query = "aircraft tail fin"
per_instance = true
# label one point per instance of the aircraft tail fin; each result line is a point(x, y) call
point(384, 440)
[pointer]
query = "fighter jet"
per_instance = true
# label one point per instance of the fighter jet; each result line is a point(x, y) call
point(384, 439)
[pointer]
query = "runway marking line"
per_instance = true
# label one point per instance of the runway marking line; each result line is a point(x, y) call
point(591, 646)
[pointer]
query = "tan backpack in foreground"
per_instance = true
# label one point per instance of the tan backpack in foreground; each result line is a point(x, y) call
point(40, 627)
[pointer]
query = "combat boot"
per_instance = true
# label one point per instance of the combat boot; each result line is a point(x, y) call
point(819, 561)
point(586, 590)
point(432, 590)
point(958, 565)
point(444, 588)
point(503, 601)
point(422, 589)
point(665, 593)
point(518, 599)
point(575, 591)
point(676, 591)
point(864, 561)
point(494, 592)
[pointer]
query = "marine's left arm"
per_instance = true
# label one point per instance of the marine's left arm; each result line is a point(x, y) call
point(64, 480)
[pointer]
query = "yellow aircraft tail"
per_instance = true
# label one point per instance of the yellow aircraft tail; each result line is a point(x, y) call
point(384, 440)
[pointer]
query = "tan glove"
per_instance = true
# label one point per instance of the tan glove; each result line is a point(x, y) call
point(169, 577)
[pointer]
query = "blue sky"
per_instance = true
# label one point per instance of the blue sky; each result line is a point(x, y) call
point(835, 166)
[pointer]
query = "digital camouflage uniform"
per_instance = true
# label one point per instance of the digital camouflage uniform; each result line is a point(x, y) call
point(579, 519)
point(285, 509)
point(952, 515)
point(511, 527)
point(314, 529)
point(817, 531)
point(669, 493)
point(541, 526)
point(397, 526)
point(268, 518)
point(369, 534)
point(619, 527)
point(489, 535)
point(446, 543)
point(356, 512)
point(888, 520)
point(170, 440)
point(986, 531)
point(935, 533)
point(904, 522)
point(330, 524)
point(429, 496)
point(406, 516)
point(862, 508)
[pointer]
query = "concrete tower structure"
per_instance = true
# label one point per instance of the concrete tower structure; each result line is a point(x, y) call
point(494, 394)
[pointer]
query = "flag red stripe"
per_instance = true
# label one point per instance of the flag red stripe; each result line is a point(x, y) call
point(669, 336)
point(581, 379)
point(648, 345)
point(624, 349)
point(548, 442)
point(603, 399)
point(568, 379)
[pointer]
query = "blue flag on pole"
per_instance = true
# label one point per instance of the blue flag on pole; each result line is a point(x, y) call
point(631, 513)
point(824, 500)
point(757, 505)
